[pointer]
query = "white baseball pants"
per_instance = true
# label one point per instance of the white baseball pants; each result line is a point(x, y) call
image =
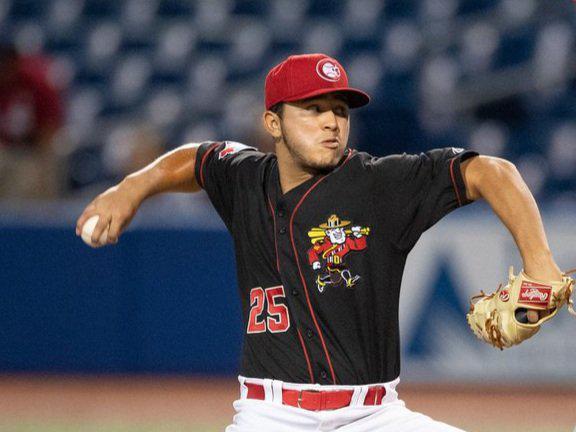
point(270, 415)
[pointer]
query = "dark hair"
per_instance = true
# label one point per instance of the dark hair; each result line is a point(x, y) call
point(278, 109)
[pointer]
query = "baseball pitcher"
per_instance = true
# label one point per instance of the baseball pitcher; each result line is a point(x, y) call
point(322, 233)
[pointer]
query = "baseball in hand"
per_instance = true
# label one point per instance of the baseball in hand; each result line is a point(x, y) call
point(88, 229)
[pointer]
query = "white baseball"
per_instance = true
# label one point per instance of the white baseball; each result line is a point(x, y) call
point(88, 229)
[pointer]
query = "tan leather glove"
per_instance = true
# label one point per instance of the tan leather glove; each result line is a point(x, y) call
point(500, 318)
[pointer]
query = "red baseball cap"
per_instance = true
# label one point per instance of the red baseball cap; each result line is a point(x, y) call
point(308, 75)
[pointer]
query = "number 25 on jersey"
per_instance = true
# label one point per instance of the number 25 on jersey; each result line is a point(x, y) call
point(266, 313)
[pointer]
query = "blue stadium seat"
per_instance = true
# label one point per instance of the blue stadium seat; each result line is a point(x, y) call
point(429, 11)
point(164, 106)
point(402, 45)
point(175, 43)
point(478, 46)
point(84, 106)
point(130, 80)
point(322, 35)
point(64, 13)
point(101, 47)
point(63, 23)
point(212, 19)
point(139, 19)
point(200, 129)
point(177, 61)
point(516, 12)
point(29, 37)
point(205, 94)
point(250, 43)
point(365, 71)
point(286, 19)
point(362, 19)
point(489, 138)
point(62, 72)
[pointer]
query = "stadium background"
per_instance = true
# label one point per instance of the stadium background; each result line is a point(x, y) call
point(146, 335)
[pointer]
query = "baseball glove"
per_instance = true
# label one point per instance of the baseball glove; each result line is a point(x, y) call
point(501, 318)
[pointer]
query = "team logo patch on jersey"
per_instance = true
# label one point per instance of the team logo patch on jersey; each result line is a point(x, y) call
point(327, 69)
point(331, 243)
point(232, 147)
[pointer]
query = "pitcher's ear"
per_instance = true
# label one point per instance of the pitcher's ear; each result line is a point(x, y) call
point(272, 123)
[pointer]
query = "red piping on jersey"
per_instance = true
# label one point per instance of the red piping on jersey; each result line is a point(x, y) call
point(306, 355)
point(302, 275)
point(454, 182)
point(210, 150)
point(275, 242)
point(278, 268)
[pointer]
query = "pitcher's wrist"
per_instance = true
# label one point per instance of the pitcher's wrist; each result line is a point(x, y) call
point(542, 266)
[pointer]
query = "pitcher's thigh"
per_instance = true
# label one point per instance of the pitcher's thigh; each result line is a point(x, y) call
point(260, 416)
point(397, 418)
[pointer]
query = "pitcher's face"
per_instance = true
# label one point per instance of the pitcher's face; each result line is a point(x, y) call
point(315, 131)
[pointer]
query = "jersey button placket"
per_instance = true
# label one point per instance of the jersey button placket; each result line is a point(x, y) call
point(309, 345)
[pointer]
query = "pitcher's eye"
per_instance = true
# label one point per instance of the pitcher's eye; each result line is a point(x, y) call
point(341, 111)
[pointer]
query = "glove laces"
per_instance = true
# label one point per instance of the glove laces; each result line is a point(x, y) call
point(570, 292)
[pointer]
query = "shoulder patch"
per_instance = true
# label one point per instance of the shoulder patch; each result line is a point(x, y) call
point(232, 147)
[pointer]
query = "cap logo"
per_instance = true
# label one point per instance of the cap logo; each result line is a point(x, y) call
point(328, 70)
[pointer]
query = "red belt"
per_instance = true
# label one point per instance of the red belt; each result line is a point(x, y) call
point(318, 400)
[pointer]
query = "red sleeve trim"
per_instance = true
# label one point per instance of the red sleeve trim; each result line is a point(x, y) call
point(457, 178)
point(210, 150)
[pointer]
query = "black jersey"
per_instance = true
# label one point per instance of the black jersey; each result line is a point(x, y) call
point(319, 267)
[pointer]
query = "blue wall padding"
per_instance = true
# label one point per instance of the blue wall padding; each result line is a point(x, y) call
point(160, 301)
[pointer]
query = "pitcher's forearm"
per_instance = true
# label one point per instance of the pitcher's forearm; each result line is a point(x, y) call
point(501, 185)
point(171, 172)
